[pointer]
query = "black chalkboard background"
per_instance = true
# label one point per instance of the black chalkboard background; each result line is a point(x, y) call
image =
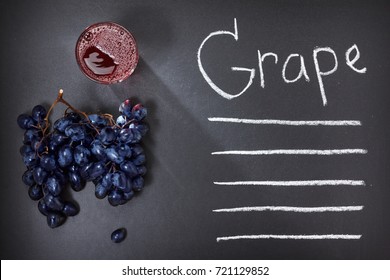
point(172, 218)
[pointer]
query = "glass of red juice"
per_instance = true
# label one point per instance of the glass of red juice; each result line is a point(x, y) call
point(106, 52)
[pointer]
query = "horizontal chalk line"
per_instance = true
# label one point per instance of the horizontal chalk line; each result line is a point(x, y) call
point(292, 209)
point(289, 122)
point(294, 183)
point(278, 236)
point(293, 152)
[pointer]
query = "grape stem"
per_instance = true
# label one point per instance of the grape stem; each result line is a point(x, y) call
point(60, 99)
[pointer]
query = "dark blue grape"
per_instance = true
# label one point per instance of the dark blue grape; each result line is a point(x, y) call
point(40, 175)
point(39, 145)
point(115, 197)
point(48, 162)
point(141, 170)
point(128, 195)
point(30, 159)
point(101, 190)
point(136, 150)
point(129, 168)
point(107, 135)
point(61, 176)
point(74, 117)
point(121, 121)
point(124, 150)
point(35, 192)
point(88, 139)
point(142, 128)
point(53, 185)
point(70, 209)
point(81, 155)
point(125, 108)
point(76, 182)
point(31, 135)
point(38, 113)
point(53, 203)
point(118, 235)
point(139, 112)
point(138, 183)
point(76, 132)
point(107, 180)
point(98, 120)
point(28, 178)
point(113, 155)
point(140, 159)
point(55, 219)
point(25, 149)
point(98, 150)
point(25, 121)
point(42, 207)
point(62, 123)
point(119, 179)
point(65, 156)
point(57, 140)
point(97, 170)
point(85, 171)
point(129, 135)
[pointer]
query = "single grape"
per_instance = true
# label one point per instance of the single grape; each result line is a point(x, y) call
point(119, 179)
point(65, 156)
point(101, 190)
point(54, 203)
point(48, 162)
point(139, 112)
point(140, 159)
point(40, 175)
point(25, 149)
point(113, 155)
point(54, 186)
point(118, 235)
point(55, 219)
point(76, 182)
point(97, 170)
point(28, 178)
point(129, 168)
point(81, 155)
point(42, 207)
point(115, 197)
point(125, 108)
point(98, 149)
point(76, 132)
point(138, 183)
point(121, 120)
point(35, 192)
point(128, 195)
point(107, 135)
point(98, 120)
point(123, 150)
point(141, 170)
point(32, 135)
point(70, 209)
point(25, 121)
point(38, 113)
point(62, 123)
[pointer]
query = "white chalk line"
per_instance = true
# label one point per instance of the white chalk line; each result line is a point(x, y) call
point(292, 209)
point(293, 152)
point(294, 183)
point(292, 236)
point(288, 122)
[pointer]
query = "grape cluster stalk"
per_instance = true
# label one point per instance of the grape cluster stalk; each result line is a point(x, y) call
point(80, 148)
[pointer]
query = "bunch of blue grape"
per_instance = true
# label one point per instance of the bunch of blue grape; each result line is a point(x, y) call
point(82, 148)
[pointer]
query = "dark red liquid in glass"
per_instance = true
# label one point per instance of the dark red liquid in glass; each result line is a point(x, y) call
point(107, 53)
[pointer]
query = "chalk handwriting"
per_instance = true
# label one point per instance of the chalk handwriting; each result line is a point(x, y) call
point(320, 73)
